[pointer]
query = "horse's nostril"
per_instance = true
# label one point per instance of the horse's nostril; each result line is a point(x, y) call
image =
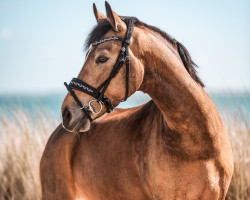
point(66, 115)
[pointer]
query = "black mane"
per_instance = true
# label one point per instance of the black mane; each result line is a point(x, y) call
point(102, 28)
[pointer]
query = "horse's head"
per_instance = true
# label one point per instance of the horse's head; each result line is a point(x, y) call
point(102, 83)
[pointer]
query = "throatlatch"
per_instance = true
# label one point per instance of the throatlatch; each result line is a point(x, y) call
point(98, 93)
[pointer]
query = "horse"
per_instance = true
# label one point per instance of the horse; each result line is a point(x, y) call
point(173, 147)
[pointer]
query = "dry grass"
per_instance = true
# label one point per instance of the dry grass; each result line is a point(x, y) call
point(22, 140)
point(239, 133)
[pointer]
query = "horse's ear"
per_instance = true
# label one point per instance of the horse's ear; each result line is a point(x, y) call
point(98, 15)
point(114, 20)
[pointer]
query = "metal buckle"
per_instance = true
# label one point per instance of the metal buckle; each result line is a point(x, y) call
point(123, 49)
point(91, 107)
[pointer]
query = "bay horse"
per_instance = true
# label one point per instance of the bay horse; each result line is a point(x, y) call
point(173, 147)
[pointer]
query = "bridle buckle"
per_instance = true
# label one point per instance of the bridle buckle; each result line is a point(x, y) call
point(90, 107)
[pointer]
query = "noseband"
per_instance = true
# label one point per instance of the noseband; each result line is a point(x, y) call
point(98, 93)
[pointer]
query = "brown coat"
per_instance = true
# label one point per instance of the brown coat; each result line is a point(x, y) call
point(173, 147)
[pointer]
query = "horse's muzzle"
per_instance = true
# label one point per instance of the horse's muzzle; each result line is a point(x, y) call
point(79, 123)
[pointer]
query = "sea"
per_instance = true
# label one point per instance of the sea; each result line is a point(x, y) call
point(228, 103)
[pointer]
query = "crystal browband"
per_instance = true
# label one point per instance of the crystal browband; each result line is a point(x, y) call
point(105, 40)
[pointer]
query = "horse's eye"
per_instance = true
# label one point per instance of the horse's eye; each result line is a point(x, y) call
point(101, 59)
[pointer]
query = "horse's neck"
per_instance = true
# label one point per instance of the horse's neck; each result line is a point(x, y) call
point(185, 106)
point(169, 84)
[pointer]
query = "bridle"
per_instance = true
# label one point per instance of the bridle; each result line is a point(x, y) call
point(98, 93)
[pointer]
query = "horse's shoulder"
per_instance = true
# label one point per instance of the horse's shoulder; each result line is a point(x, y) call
point(117, 115)
point(58, 134)
point(58, 141)
point(127, 114)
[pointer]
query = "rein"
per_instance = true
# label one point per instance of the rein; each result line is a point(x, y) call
point(98, 93)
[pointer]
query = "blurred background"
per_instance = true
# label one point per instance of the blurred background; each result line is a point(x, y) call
point(41, 46)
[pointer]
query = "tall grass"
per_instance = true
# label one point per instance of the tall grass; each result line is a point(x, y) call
point(239, 133)
point(22, 140)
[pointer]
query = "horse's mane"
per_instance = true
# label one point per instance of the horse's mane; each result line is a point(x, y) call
point(102, 28)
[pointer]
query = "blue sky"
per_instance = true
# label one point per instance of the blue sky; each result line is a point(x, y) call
point(41, 42)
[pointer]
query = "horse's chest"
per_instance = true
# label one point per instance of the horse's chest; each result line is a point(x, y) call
point(107, 170)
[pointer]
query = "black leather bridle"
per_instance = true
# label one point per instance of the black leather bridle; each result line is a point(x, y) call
point(98, 93)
